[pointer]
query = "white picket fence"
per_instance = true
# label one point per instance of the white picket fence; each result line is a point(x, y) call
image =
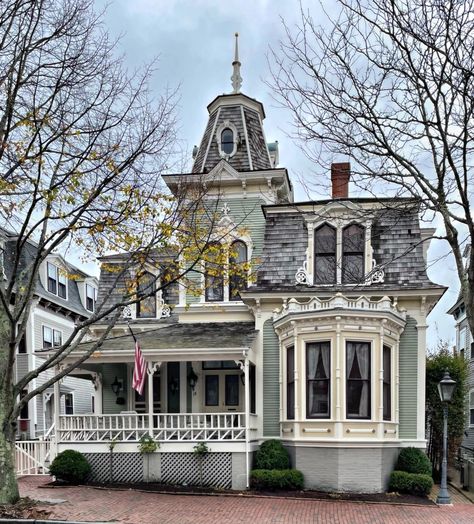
point(33, 456)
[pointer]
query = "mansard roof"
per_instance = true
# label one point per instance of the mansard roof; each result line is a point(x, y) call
point(396, 240)
point(245, 114)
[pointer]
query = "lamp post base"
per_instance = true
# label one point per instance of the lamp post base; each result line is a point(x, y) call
point(443, 497)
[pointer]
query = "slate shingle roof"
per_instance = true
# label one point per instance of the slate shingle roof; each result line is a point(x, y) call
point(396, 241)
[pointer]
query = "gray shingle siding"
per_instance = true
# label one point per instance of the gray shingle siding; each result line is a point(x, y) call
point(257, 145)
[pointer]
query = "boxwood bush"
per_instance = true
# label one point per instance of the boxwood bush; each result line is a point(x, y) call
point(70, 466)
point(272, 455)
point(273, 479)
point(414, 460)
point(412, 483)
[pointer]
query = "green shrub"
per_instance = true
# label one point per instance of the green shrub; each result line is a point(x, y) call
point(272, 455)
point(272, 479)
point(414, 460)
point(411, 483)
point(70, 466)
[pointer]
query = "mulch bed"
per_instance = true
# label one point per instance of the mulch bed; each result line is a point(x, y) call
point(25, 508)
point(380, 498)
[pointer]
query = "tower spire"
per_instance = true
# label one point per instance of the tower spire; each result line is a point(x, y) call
point(236, 78)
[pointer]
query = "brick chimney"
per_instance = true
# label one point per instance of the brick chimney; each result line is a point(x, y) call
point(340, 174)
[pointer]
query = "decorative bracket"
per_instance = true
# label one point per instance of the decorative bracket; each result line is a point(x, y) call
point(376, 275)
point(302, 276)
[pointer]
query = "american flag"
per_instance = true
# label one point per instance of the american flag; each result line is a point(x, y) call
point(139, 370)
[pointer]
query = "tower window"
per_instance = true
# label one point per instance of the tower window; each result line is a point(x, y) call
point(227, 141)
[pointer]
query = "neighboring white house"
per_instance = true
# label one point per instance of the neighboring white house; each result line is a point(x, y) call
point(63, 295)
point(324, 351)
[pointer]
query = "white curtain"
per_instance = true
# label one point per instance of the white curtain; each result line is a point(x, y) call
point(314, 352)
point(361, 351)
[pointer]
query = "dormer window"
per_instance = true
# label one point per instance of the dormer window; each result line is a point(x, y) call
point(227, 141)
point(91, 297)
point(325, 260)
point(57, 282)
point(146, 308)
point(353, 242)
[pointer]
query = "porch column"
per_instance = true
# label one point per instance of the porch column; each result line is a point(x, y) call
point(247, 417)
point(151, 368)
point(57, 403)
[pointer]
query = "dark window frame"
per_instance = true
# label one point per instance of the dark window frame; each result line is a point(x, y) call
point(368, 380)
point(320, 253)
point(290, 383)
point(237, 282)
point(387, 383)
point(326, 344)
point(346, 279)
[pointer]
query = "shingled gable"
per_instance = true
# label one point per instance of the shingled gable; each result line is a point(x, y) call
point(396, 241)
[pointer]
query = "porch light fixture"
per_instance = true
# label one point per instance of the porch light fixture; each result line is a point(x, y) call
point(192, 379)
point(116, 386)
point(446, 389)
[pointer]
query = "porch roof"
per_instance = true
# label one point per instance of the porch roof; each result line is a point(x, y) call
point(203, 340)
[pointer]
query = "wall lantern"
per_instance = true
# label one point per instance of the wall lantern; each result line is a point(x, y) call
point(192, 379)
point(116, 386)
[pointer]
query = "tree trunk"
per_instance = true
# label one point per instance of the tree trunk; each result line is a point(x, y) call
point(8, 483)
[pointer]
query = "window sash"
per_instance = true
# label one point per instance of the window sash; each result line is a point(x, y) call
point(232, 390)
point(211, 390)
point(91, 297)
point(47, 337)
point(52, 278)
point(290, 383)
point(358, 389)
point(318, 388)
point(387, 383)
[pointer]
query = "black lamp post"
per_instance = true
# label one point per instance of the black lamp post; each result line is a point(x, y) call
point(446, 388)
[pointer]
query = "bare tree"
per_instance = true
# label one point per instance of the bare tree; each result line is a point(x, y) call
point(390, 85)
point(82, 147)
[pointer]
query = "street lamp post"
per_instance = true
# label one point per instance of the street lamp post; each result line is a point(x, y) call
point(446, 388)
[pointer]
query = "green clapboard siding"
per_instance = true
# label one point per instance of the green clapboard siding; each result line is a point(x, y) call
point(248, 217)
point(109, 399)
point(408, 380)
point(271, 390)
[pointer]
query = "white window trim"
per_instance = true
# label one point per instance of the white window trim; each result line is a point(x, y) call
point(53, 330)
point(96, 291)
point(225, 274)
point(304, 400)
point(227, 125)
point(59, 273)
point(73, 402)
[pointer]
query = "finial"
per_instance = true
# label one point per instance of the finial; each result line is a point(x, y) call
point(236, 78)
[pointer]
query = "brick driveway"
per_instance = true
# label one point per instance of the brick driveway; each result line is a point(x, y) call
point(88, 504)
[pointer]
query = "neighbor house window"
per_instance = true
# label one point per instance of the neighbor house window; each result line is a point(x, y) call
point(69, 404)
point(51, 337)
point(227, 141)
point(318, 372)
point(325, 255)
point(214, 280)
point(387, 383)
point(358, 380)
point(353, 242)
point(237, 269)
point(471, 407)
point(146, 308)
point(290, 383)
point(57, 282)
point(91, 297)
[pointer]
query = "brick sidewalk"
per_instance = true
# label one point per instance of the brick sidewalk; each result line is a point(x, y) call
point(132, 507)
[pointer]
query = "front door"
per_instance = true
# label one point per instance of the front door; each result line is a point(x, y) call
point(141, 401)
point(223, 387)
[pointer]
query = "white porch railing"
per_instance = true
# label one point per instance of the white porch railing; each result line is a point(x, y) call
point(32, 457)
point(166, 427)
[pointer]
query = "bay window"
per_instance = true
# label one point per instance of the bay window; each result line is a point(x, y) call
point(290, 383)
point(387, 383)
point(358, 380)
point(318, 381)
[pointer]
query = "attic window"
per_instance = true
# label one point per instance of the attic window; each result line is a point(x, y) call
point(227, 141)
point(56, 281)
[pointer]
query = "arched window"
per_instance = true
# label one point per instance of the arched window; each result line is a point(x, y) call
point(353, 242)
point(227, 141)
point(237, 269)
point(214, 280)
point(325, 255)
point(146, 308)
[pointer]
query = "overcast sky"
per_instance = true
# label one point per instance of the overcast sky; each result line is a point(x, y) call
point(194, 42)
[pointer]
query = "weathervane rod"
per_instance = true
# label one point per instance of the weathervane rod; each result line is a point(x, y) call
point(236, 78)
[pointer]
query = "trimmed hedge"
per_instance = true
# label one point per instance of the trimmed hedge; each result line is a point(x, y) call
point(272, 479)
point(412, 483)
point(414, 460)
point(70, 466)
point(272, 455)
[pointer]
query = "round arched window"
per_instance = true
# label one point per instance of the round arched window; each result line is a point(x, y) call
point(227, 141)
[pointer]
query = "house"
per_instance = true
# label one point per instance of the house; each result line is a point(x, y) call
point(465, 346)
point(63, 295)
point(324, 349)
